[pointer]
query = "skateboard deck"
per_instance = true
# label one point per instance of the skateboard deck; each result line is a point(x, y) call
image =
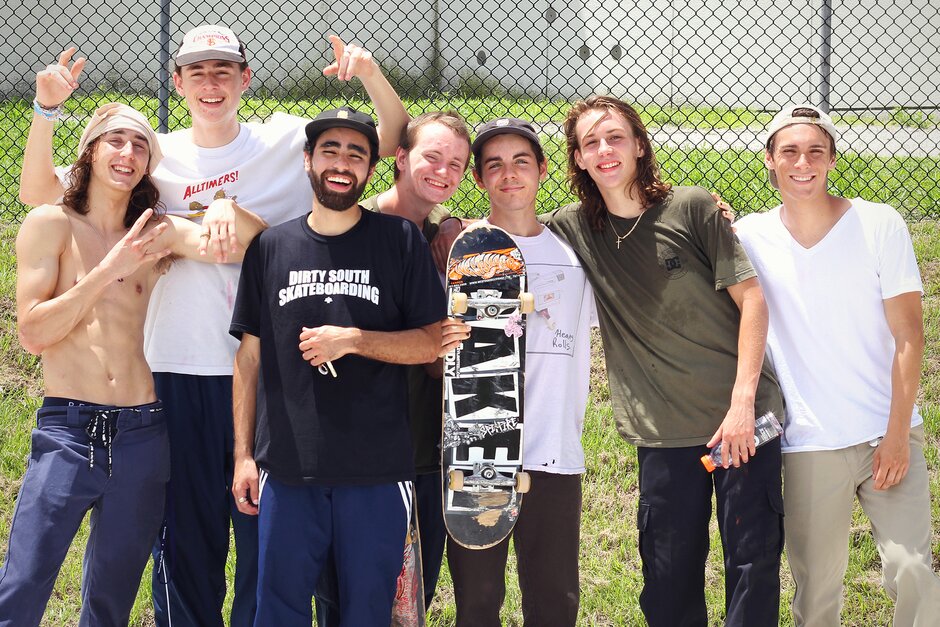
point(481, 445)
point(408, 609)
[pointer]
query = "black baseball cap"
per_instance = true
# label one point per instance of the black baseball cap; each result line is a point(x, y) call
point(345, 117)
point(502, 126)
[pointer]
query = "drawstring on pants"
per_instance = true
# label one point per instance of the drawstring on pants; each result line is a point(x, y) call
point(101, 429)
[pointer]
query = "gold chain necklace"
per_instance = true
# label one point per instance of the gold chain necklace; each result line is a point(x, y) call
point(619, 237)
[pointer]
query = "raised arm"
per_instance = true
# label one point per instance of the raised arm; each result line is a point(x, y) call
point(43, 318)
point(38, 181)
point(223, 236)
point(737, 430)
point(905, 317)
point(244, 401)
point(355, 61)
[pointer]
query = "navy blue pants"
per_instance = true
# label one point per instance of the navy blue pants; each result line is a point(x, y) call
point(673, 517)
point(364, 528)
point(189, 558)
point(429, 497)
point(112, 461)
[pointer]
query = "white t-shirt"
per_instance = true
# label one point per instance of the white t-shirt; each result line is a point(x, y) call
point(262, 169)
point(828, 337)
point(557, 355)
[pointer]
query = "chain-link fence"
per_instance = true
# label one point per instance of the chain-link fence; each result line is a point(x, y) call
point(706, 74)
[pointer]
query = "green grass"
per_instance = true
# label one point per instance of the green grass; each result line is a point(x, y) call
point(911, 184)
point(610, 569)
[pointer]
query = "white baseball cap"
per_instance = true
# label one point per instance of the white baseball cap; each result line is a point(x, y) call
point(798, 114)
point(210, 42)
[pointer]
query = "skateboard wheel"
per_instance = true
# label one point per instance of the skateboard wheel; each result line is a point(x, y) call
point(523, 482)
point(455, 480)
point(526, 302)
point(458, 302)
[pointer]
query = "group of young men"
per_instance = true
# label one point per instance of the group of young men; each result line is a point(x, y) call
point(337, 317)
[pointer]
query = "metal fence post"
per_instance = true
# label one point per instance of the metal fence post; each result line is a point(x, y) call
point(825, 55)
point(163, 90)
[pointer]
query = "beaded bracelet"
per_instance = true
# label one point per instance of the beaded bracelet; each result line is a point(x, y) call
point(49, 113)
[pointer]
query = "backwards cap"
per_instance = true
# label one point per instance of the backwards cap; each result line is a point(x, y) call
point(808, 114)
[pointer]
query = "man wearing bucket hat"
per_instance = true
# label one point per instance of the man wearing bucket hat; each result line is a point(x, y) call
point(260, 164)
point(329, 307)
point(86, 269)
point(846, 336)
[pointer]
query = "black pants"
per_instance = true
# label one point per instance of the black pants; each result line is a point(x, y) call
point(673, 517)
point(546, 537)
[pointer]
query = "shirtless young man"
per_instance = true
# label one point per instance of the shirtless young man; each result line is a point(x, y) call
point(87, 267)
point(186, 344)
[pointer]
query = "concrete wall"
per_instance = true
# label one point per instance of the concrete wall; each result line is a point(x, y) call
point(753, 53)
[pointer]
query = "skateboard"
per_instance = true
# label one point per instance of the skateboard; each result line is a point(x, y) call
point(481, 445)
point(408, 609)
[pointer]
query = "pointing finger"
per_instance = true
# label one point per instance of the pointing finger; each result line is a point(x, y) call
point(77, 70)
point(66, 55)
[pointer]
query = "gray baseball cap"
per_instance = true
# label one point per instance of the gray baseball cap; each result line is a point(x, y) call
point(798, 114)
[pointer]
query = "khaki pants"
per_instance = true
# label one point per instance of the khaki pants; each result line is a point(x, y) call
point(819, 492)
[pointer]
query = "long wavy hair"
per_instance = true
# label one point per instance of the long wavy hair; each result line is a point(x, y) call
point(144, 195)
point(647, 184)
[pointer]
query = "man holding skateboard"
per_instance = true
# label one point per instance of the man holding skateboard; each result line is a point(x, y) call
point(357, 293)
point(186, 345)
point(509, 164)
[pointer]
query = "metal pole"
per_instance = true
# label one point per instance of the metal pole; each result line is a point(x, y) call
point(436, 69)
point(163, 91)
point(825, 55)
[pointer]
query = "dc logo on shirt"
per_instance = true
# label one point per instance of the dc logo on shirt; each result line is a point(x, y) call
point(670, 262)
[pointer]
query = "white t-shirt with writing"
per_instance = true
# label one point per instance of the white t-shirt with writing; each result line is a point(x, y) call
point(262, 170)
point(558, 355)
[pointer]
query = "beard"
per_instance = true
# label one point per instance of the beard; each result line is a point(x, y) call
point(337, 201)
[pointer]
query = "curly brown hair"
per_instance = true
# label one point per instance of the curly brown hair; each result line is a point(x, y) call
point(144, 195)
point(651, 188)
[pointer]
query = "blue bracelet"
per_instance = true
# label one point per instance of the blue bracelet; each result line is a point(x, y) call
point(49, 113)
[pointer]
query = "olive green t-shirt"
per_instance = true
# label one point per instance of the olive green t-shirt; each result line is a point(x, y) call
point(425, 393)
point(669, 327)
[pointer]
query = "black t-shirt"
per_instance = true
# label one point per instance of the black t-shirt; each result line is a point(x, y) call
point(378, 276)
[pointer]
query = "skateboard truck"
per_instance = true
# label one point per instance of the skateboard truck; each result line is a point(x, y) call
point(486, 476)
point(490, 303)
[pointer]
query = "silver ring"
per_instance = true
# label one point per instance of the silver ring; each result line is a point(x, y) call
point(243, 499)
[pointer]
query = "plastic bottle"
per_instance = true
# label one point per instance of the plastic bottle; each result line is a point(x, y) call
point(766, 428)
